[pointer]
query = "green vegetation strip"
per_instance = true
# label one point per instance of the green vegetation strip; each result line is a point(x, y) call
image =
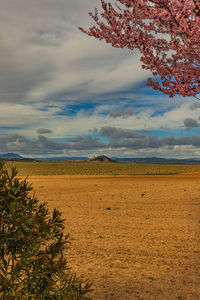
point(69, 168)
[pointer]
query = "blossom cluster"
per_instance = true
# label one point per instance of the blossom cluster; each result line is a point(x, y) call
point(167, 34)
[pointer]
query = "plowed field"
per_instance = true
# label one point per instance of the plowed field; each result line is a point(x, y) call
point(135, 237)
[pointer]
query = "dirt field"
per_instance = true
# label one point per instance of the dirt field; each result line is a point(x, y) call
point(135, 237)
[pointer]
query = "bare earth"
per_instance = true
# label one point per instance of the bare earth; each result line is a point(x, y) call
point(135, 237)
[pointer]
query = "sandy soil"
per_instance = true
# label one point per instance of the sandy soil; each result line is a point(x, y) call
point(135, 237)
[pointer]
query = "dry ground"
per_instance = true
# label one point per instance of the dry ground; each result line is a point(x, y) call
point(135, 237)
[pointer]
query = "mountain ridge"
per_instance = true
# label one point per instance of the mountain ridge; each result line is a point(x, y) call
point(104, 158)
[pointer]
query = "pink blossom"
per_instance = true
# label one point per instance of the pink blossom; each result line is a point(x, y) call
point(167, 34)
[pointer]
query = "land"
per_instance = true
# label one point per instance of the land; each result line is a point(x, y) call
point(133, 236)
point(92, 168)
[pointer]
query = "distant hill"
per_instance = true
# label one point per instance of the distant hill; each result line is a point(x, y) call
point(14, 157)
point(11, 156)
point(158, 160)
point(102, 158)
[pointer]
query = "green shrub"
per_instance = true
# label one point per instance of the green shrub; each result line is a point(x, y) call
point(32, 247)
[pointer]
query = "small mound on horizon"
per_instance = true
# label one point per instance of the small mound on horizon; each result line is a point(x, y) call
point(102, 158)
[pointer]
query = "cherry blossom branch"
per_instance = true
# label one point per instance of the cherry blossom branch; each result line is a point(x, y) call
point(175, 58)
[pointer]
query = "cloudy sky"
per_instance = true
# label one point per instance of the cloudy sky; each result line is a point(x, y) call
point(63, 93)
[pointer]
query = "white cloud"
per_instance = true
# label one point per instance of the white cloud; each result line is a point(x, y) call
point(12, 115)
point(43, 53)
point(31, 117)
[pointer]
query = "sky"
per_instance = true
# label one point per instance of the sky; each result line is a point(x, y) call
point(63, 93)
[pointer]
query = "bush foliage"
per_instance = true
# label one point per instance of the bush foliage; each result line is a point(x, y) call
point(32, 247)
